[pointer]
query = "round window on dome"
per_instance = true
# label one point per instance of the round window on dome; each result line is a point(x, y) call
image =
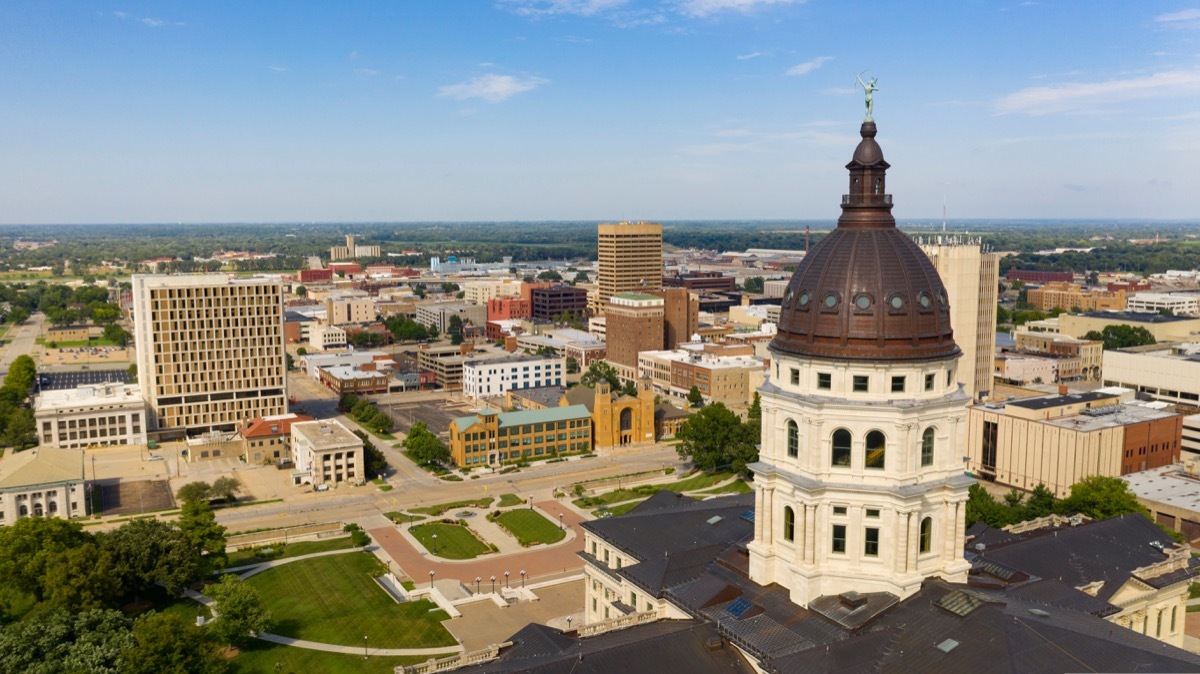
point(787, 298)
point(862, 302)
point(897, 302)
point(831, 300)
point(804, 299)
point(924, 300)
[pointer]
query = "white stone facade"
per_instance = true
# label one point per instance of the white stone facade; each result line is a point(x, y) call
point(859, 484)
point(91, 416)
point(490, 378)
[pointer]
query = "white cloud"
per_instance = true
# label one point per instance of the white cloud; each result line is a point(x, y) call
point(121, 15)
point(1182, 15)
point(555, 7)
point(1084, 96)
point(153, 23)
point(278, 69)
point(751, 55)
point(701, 8)
point(366, 71)
point(808, 66)
point(491, 88)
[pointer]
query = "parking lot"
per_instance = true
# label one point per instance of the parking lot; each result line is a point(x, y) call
point(437, 414)
point(131, 497)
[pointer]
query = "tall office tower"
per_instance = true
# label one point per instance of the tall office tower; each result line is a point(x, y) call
point(681, 315)
point(971, 276)
point(634, 323)
point(630, 260)
point(209, 350)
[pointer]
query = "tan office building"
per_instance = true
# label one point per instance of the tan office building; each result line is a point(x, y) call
point(1163, 328)
point(634, 323)
point(630, 259)
point(1069, 297)
point(326, 452)
point(209, 350)
point(971, 276)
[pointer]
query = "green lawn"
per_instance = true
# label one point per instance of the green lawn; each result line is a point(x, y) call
point(700, 480)
point(262, 657)
point(618, 509)
point(335, 600)
point(439, 510)
point(530, 527)
point(616, 496)
point(454, 541)
point(403, 518)
point(246, 555)
point(735, 487)
point(507, 500)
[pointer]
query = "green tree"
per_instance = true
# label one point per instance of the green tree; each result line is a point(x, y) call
point(455, 329)
point(714, 437)
point(202, 533)
point(449, 287)
point(754, 416)
point(629, 388)
point(425, 447)
point(374, 462)
point(550, 276)
point(194, 491)
point(301, 291)
point(1121, 336)
point(600, 371)
point(116, 334)
point(81, 578)
point(754, 284)
point(226, 488)
point(165, 642)
point(149, 551)
point(133, 372)
point(21, 374)
point(572, 365)
point(58, 640)
point(1101, 497)
point(694, 397)
point(27, 547)
point(20, 429)
point(239, 610)
point(288, 361)
point(17, 315)
point(301, 351)
point(581, 277)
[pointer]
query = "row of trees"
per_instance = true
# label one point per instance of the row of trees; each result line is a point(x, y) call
point(17, 427)
point(1097, 497)
point(1121, 336)
point(366, 413)
point(223, 488)
point(423, 447)
point(405, 329)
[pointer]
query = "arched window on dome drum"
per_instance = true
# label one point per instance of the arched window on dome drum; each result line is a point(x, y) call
point(926, 535)
point(793, 439)
point(927, 447)
point(876, 448)
point(789, 524)
point(841, 448)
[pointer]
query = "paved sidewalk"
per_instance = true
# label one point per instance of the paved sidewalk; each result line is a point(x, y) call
point(359, 650)
point(539, 562)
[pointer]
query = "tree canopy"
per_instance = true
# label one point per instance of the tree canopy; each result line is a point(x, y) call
point(600, 371)
point(1121, 336)
point(714, 437)
point(423, 446)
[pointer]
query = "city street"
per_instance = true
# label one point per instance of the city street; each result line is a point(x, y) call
point(21, 341)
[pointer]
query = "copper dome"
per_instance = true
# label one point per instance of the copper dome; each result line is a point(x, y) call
point(866, 291)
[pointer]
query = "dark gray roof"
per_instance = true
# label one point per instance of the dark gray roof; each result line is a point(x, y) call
point(1105, 550)
point(547, 396)
point(668, 523)
point(1057, 400)
point(52, 381)
point(661, 647)
point(1137, 316)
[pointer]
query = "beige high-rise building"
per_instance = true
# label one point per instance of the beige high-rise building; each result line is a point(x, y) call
point(209, 350)
point(971, 276)
point(630, 256)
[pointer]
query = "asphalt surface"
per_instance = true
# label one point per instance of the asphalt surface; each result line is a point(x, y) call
point(22, 341)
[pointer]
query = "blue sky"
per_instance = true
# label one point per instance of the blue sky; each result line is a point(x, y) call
point(592, 109)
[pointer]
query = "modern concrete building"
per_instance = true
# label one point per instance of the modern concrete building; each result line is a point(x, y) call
point(482, 292)
point(42, 482)
point(1178, 304)
point(490, 437)
point(326, 453)
point(1171, 494)
point(91, 416)
point(1164, 328)
point(1078, 359)
point(971, 275)
point(1167, 371)
point(491, 378)
point(327, 337)
point(439, 313)
point(550, 302)
point(349, 309)
point(1059, 440)
point(210, 350)
point(630, 259)
point(634, 323)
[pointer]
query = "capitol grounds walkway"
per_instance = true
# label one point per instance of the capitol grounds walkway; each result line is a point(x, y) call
point(542, 562)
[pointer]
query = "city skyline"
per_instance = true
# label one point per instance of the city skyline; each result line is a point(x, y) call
point(590, 110)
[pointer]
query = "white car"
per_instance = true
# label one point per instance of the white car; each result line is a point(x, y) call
point(155, 457)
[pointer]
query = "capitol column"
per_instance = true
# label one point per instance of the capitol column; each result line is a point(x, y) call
point(761, 511)
point(810, 534)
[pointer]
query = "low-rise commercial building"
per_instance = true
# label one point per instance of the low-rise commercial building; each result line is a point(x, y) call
point(67, 333)
point(326, 337)
point(1168, 371)
point(446, 364)
point(42, 482)
point(438, 314)
point(1059, 440)
point(492, 437)
point(1177, 304)
point(359, 380)
point(489, 378)
point(326, 452)
point(1171, 494)
point(508, 308)
point(1078, 359)
point(483, 292)
point(269, 439)
point(1018, 368)
point(1071, 297)
point(726, 374)
point(349, 309)
point(1164, 328)
point(568, 343)
point(91, 416)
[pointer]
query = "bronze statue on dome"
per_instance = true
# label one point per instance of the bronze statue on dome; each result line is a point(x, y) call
point(869, 89)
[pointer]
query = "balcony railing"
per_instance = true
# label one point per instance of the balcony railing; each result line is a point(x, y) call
point(866, 200)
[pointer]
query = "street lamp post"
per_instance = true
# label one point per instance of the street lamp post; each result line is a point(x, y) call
point(561, 526)
point(477, 579)
point(431, 580)
point(531, 501)
point(493, 585)
point(435, 545)
point(522, 578)
point(505, 579)
point(364, 647)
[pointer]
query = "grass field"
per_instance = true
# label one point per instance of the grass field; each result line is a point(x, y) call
point(335, 600)
point(441, 509)
point(735, 487)
point(615, 496)
point(507, 500)
point(530, 527)
point(698, 481)
point(454, 541)
point(620, 509)
point(261, 657)
point(403, 518)
point(247, 556)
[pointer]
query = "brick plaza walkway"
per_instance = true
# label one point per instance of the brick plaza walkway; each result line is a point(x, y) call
point(540, 562)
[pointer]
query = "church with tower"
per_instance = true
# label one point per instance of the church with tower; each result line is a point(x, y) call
point(852, 553)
